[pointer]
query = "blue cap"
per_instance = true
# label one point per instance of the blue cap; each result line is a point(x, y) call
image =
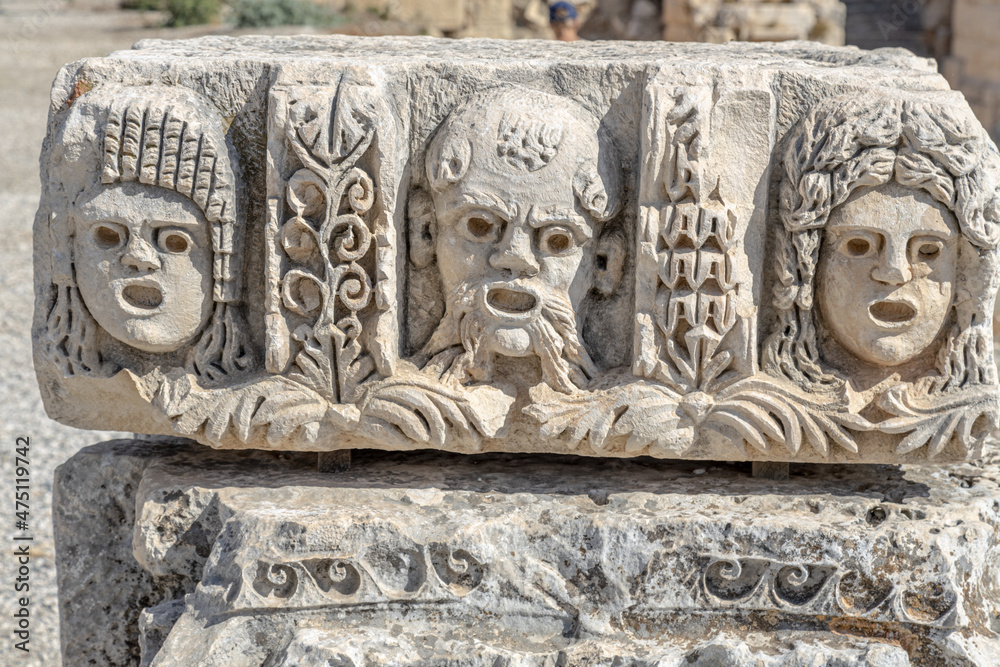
point(560, 12)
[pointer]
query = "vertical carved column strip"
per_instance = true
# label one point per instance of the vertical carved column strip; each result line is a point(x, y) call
point(331, 236)
point(695, 302)
point(684, 288)
point(277, 341)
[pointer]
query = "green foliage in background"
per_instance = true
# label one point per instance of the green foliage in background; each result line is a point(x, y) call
point(192, 12)
point(242, 13)
point(269, 13)
point(144, 5)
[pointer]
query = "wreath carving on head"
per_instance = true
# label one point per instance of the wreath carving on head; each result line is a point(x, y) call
point(846, 144)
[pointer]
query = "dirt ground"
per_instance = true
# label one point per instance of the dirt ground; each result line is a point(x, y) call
point(36, 38)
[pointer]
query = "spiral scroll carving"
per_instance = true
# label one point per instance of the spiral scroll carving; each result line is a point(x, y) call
point(428, 573)
point(823, 589)
point(327, 255)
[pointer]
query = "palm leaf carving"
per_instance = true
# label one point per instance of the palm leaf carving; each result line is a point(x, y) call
point(758, 412)
point(934, 421)
point(427, 411)
point(762, 412)
point(315, 362)
point(644, 412)
point(290, 415)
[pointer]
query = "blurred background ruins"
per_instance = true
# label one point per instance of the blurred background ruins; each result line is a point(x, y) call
point(38, 36)
point(963, 35)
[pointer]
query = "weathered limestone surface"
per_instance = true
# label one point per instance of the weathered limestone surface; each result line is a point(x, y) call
point(102, 589)
point(429, 558)
point(743, 252)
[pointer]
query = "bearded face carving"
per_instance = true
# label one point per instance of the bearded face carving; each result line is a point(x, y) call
point(519, 196)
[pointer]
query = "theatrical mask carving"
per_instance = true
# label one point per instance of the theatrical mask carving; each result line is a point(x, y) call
point(891, 218)
point(147, 240)
point(521, 194)
point(144, 264)
point(887, 271)
point(526, 267)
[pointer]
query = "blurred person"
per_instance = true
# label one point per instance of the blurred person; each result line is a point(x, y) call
point(564, 21)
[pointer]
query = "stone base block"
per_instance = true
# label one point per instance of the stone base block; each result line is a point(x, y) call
point(172, 555)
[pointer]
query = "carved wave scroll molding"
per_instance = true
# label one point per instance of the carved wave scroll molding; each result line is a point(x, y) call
point(433, 573)
point(819, 589)
point(440, 574)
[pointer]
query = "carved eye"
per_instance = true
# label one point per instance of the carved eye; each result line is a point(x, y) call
point(928, 250)
point(857, 246)
point(556, 240)
point(109, 235)
point(480, 226)
point(173, 241)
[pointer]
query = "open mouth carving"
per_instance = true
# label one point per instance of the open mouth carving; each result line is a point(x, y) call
point(142, 296)
point(510, 301)
point(892, 313)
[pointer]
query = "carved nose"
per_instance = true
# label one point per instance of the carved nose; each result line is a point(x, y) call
point(515, 254)
point(894, 269)
point(140, 255)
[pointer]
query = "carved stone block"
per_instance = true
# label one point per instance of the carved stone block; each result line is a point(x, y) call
point(435, 559)
point(741, 252)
